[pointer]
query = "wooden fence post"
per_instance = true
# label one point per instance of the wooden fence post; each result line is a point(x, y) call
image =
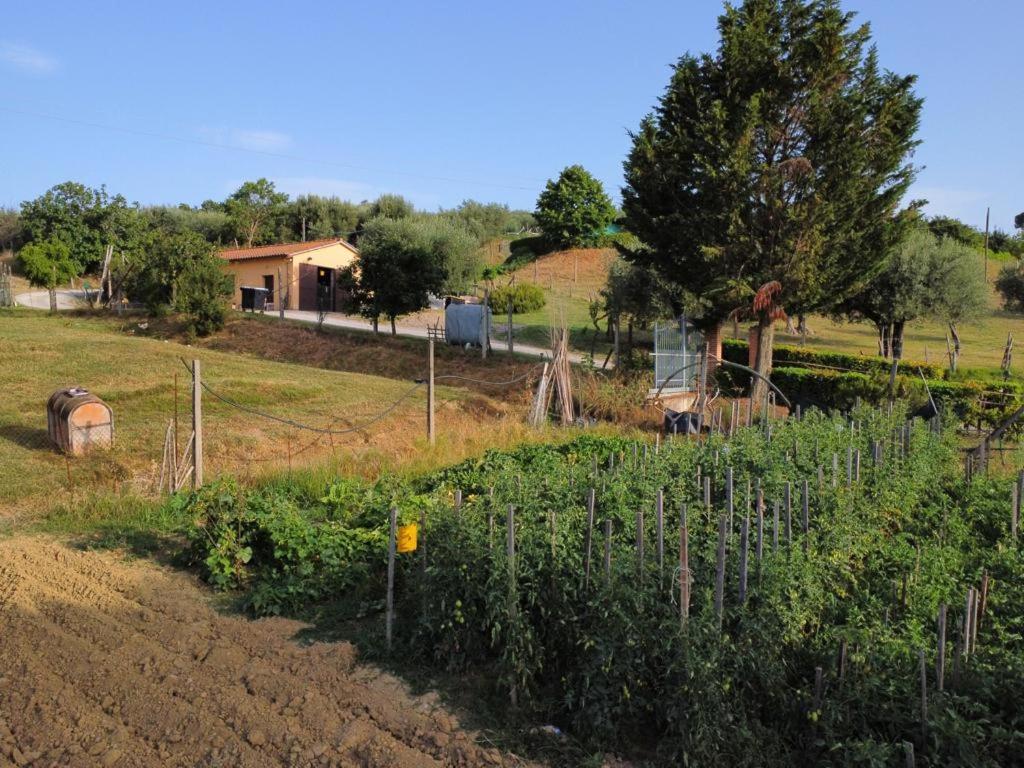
point(430, 392)
point(197, 425)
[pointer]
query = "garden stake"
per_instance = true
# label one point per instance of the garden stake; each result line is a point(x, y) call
point(720, 572)
point(684, 569)
point(608, 550)
point(940, 659)
point(659, 532)
point(806, 516)
point(587, 545)
point(744, 544)
point(775, 526)
point(640, 544)
point(389, 616)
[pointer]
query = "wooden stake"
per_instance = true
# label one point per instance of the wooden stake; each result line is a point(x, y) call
point(744, 547)
point(197, 425)
point(588, 540)
point(640, 543)
point(431, 429)
point(720, 571)
point(390, 613)
point(684, 569)
point(659, 532)
point(608, 550)
point(940, 658)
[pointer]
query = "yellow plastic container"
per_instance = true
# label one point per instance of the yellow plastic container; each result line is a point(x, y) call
point(407, 538)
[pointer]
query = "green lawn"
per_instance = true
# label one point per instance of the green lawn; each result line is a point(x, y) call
point(40, 353)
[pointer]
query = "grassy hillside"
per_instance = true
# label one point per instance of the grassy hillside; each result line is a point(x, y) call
point(136, 376)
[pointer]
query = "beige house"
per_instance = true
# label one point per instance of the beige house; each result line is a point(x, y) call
point(297, 271)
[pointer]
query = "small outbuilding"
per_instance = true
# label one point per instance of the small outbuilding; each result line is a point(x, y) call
point(78, 421)
point(301, 275)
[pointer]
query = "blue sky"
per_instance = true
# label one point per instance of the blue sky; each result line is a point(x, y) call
point(172, 102)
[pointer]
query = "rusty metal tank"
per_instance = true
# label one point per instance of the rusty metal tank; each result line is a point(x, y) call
point(79, 421)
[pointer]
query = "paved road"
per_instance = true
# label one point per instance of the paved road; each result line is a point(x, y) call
point(414, 331)
point(41, 299)
point(76, 299)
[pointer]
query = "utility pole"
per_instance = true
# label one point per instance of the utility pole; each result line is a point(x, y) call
point(511, 348)
point(430, 391)
point(485, 319)
point(197, 426)
point(987, 212)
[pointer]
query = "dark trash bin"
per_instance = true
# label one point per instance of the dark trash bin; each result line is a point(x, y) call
point(254, 299)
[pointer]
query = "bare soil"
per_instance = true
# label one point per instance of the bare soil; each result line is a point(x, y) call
point(108, 662)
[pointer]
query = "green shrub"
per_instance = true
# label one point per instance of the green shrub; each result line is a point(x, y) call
point(1010, 285)
point(525, 297)
point(607, 658)
point(736, 351)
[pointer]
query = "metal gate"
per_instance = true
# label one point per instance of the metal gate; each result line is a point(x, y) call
point(677, 349)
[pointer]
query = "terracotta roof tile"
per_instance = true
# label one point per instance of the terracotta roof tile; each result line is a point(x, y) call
point(280, 249)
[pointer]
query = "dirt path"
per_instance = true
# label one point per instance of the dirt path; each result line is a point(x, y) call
point(110, 663)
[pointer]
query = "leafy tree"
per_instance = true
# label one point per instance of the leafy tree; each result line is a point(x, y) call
point(391, 207)
point(47, 264)
point(211, 223)
point(458, 250)
point(254, 209)
point(398, 266)
point(85, 219)
point(947, 226)
point(923, 277)
point(202, 292)
point(489, 220)
point(574, 210)
point(324, 217)
point(154, 276)
point(11, 229)
point(778, 160)
point(633, 293)
point(1010, 284)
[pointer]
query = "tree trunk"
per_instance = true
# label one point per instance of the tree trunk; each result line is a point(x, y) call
point(801, 328)
point(896, 347)
point(53, 299)
point(883, 339)
point(897, 340)
point(763, 361)
point(955, 358)
point(394, 331)
point(376, 326)
point(629, 337)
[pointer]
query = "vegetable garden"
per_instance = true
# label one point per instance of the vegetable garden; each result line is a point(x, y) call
point(823, 591)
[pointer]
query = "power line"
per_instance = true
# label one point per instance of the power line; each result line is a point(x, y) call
point(265, 153)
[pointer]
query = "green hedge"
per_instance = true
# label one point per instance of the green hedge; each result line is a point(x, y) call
point(973, 402)
point(736, 350)
point(525, 297)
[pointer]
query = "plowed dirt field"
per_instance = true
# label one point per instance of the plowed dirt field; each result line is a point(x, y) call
point(107, 662)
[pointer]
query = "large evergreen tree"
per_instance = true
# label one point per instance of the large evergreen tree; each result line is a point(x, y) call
point(775, 165)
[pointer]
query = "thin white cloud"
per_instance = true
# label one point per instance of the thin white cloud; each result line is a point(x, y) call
point(26, 58)
point(255, 140)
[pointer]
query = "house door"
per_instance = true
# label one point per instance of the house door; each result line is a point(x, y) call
point(268, 284)
point(325, 289)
